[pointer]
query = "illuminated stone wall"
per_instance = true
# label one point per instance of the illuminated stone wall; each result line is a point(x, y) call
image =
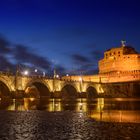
point(86, 78)
point(118, 65)
point(123, 59)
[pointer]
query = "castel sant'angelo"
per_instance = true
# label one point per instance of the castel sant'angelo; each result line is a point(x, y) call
point(120, 64)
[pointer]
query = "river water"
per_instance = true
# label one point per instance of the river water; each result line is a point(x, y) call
point(101, 109)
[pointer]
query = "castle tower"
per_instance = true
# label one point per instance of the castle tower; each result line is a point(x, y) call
point(120, 59)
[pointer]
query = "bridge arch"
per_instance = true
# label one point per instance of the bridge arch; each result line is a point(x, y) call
point(91, 92)
point(69, 92)
point(69, 84)
point(5, 89)
point(37, 89)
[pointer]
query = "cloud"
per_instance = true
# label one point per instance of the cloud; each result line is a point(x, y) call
point(24, 55)
point(80, 59)
point(84, 65)
point(5, 64)
point(4, 46)
point(96, 54)
point(60, 69)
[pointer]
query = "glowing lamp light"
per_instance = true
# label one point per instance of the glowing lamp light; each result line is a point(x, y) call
point(80, 79)
point(26, 72)
point(57, 76)
point(35, 70)
point(67, 74)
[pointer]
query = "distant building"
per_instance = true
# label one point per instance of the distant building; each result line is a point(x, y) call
point(117, 60)
point(120, 64)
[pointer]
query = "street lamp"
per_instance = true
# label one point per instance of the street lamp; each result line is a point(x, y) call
point(57, 76)
point(35, 70)
point(80, 79)
point(26, 72)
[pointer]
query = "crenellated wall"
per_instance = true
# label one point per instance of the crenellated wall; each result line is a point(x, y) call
point(121, 59)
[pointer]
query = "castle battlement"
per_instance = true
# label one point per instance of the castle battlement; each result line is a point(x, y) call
point(120, 64)
point(122, 59)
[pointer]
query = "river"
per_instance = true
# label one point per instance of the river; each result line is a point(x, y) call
point(100, 109)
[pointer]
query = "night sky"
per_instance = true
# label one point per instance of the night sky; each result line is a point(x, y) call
point(68, 35)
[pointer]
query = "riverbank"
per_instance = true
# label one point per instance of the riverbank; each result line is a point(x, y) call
point(67, 125)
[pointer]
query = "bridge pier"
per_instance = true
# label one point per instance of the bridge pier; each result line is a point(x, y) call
point(19, 94)
point(82, 95)
point(56, 94)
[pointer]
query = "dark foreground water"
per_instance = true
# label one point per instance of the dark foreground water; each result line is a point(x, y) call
point(54, 119)
point(116, 109)
point(67, 125)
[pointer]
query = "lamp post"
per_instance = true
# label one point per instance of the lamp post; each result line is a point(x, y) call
point(26, 72)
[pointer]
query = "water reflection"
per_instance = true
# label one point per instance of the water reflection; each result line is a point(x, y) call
point(117, 109)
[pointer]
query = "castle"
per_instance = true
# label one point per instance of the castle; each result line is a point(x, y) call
point(120, 64)
point(123, 59)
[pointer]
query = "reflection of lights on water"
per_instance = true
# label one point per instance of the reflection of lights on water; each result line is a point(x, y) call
point(81, 105)
point(80, 114)
point(100, 104)
point(55, 105)
point(119, 99)
point(32, 99)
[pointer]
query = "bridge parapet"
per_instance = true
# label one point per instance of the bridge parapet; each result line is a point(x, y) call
point(19, 84)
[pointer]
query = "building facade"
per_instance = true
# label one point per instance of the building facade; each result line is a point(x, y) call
point(123, 59)
point(121, 64)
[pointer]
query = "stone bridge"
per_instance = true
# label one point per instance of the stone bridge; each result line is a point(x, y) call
point(36, 86)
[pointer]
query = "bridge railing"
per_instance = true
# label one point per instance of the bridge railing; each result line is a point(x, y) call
point(6, 73)
point(39, 76)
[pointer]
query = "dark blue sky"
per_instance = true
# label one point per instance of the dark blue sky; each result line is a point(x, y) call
point(72, 34)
